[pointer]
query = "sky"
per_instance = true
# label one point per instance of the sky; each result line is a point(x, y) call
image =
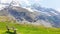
point(55, 4)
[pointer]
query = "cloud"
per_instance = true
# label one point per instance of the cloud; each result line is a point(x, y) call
point(2, 6)
point(58, 9)
point(5, 1)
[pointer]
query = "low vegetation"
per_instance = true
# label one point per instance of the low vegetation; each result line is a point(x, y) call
point(27, 29)
point(24, 28)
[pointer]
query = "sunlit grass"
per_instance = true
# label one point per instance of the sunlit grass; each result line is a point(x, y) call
point(27, 29)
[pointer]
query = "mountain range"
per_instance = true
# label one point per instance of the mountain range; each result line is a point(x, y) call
point(34, 14)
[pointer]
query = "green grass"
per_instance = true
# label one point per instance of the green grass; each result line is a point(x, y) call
point(27, 29)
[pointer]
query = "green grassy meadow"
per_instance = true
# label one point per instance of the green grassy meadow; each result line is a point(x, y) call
point(27, 29)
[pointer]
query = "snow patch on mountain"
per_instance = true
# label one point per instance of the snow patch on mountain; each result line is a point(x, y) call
point(46, 13)
point(2, 6)
point(29, 9)
point(53, 12)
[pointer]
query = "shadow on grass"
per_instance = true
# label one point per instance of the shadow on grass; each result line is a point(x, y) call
point(8, 32)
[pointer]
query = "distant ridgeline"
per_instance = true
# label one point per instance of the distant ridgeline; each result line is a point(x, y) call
point(38, 15)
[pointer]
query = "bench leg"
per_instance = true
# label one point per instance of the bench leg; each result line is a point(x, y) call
point(14, 31)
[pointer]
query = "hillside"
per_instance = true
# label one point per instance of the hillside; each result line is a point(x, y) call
point(33, 14)
point(44, 16)
point(28, 17)
point(27, 29)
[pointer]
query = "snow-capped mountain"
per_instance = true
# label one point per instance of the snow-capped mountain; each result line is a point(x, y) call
point(33, 14)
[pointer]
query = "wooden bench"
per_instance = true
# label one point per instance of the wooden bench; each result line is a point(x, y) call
point(14, 29)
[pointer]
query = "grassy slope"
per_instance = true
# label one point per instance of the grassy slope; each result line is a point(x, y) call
point(28, 29)
point(25, 29)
